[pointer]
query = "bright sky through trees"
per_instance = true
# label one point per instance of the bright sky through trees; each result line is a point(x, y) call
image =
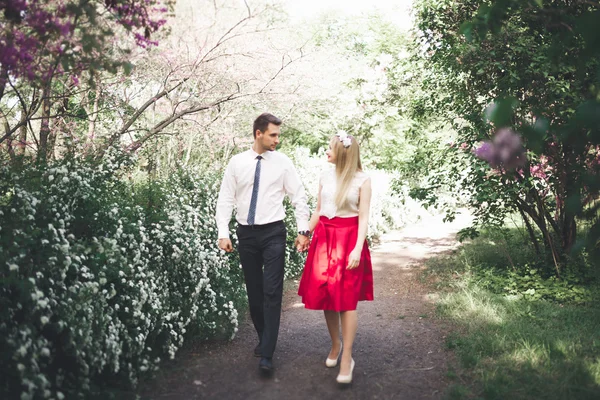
point(397, 11)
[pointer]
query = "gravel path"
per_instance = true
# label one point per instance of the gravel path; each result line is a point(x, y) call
point(399, 348)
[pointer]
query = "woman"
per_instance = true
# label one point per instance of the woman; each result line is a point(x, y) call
point(338, 271)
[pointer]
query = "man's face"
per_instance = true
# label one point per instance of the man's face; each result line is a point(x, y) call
point(268, 139)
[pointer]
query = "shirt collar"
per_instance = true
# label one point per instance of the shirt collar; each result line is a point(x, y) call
point(264, 155)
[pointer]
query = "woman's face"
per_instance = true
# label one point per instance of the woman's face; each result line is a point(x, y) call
point(330, 155)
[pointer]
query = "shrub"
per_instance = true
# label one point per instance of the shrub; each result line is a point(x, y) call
point(104, 272)
point(99, 281)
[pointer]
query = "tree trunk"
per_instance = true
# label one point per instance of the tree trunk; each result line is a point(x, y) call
point(188, 149)
point(22, 135)
point(531, 232)
point(569, 232)
point(11, 150)
point(550, 245)
point(45, 124)
point(8, 43)
point(538, 216)
point(94, 117)
point(571, 176)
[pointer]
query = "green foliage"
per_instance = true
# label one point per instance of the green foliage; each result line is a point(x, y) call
point(311, 137)
point(294, 260)
point(489, 65)
point(105, 271)
point(516, 348)
point(530, 284)
point(100, 278)
point(503, 262)
point(385, 89)
point(517, 332)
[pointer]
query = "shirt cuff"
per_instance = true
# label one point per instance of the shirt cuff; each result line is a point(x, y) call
point(302, 226)
point(223, 234)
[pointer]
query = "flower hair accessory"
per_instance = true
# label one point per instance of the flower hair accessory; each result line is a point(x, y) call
point(344, 138)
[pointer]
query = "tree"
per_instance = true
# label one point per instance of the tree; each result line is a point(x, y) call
point(47, 46)
point(508, 58)
point(190, 73)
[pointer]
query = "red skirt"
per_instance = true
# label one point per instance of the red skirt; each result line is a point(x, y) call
point(326, 284)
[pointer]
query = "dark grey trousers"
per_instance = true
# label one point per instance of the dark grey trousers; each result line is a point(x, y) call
point(262, 254)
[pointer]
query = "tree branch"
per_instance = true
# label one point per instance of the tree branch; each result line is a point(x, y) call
point(174, 117)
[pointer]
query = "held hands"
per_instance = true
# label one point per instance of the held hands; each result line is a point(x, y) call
point(302, 242)
point(354, 258)
point(225, 244)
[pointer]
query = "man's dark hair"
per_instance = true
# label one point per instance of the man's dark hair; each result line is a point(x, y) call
point(262, 122)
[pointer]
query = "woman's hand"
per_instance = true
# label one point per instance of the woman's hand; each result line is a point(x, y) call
point(354, 258)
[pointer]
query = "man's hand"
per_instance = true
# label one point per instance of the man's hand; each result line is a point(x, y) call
point(302, 242)
point(225, 244)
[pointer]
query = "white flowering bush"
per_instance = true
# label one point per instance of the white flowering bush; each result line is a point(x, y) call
point(101, 279)
point(391, 206)
point(102, 275)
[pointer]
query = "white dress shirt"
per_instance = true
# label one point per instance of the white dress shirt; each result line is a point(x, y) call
point(278, 177)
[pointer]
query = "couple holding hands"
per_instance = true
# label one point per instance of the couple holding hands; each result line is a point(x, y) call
point(338, 271)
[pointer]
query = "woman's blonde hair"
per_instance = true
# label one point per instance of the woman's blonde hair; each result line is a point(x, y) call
point(347, 164)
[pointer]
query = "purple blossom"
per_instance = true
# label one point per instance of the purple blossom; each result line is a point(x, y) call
point(485, 151)
point(36, 29)
point(144, 42)
point(64, 29)
point(505, 150)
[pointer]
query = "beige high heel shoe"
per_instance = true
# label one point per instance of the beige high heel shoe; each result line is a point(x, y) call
point(346, 379)
point(332, 362)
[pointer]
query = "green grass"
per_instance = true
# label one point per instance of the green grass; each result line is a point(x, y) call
point(519, 349)
point(514, 346)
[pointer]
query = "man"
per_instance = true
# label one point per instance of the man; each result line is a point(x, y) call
point(255, 182)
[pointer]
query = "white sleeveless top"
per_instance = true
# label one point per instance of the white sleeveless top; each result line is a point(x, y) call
point(328, 182)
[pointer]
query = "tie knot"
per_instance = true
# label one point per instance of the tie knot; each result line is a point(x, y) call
point(259, 157)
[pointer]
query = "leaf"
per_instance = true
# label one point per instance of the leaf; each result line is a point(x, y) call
point(127, 68)
point(587, 26)
point(500, 112)
point(466, 29)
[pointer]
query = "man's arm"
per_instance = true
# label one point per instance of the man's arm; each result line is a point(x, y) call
point(314, 219)
point(295, 191)
point(225, 203)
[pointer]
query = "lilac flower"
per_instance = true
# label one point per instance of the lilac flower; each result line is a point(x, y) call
point(64, 29)
point(38, 29)
point(485, 151)
point(509, 149)
point(505, 150)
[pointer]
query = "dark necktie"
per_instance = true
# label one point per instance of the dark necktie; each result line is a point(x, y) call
point(252, 210)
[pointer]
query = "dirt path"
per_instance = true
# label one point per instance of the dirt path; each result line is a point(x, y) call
point(399, 349)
